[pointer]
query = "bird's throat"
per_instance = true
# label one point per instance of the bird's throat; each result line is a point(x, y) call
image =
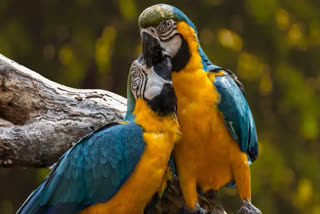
point(151, 121)
point(188, 57)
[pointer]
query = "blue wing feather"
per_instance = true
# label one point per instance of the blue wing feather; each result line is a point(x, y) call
point(105, 158)
point(237, 115)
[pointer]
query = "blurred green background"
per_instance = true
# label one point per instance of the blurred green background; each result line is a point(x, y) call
point(272, 45)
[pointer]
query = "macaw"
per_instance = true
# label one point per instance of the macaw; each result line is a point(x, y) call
point(118, 168)
point(219, 139)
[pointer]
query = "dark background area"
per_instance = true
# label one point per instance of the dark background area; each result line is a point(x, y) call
point(272, 45)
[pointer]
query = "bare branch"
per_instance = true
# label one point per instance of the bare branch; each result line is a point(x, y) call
point(42, 119)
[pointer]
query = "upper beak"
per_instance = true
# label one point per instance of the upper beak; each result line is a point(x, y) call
point(151, 49)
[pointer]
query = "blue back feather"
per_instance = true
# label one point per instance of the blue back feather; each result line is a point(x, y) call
point(237, 115)
point(92, 171)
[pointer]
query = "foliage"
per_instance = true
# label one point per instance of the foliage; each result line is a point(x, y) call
point(272, 45)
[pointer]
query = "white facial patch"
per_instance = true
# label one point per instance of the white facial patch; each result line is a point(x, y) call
point(145, 82)
point(171, 46)
point(154, 85)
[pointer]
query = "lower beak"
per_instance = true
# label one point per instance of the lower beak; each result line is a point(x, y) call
point(151, 50)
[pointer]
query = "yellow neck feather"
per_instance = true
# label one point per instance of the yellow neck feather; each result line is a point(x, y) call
point(192, 81)
point(191, 38)
point(150, 121)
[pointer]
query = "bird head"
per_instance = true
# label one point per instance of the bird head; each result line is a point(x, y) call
point(167, 31)
point(153, 85)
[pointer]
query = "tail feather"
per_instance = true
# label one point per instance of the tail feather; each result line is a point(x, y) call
point(32, 204)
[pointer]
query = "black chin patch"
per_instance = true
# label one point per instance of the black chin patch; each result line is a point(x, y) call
point(164, 69)
point(165, 102)
point(182, 57)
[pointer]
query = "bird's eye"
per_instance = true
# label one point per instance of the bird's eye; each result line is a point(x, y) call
point(134, 86)
point(168, 23)
point(165, 26)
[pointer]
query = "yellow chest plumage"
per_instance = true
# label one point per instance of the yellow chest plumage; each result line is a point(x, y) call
point(206, 155)
point(160, 134)
point(206, 147)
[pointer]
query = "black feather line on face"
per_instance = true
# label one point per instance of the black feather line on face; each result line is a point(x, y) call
point(165, 26)
point(139, 77)
point(167, 39)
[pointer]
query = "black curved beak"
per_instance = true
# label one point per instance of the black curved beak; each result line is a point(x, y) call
point(151, 49)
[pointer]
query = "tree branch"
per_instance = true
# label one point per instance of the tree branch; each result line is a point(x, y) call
point(40, 120)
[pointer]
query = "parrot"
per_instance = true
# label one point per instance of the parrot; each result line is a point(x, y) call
point(118, 168)
point(219, 139)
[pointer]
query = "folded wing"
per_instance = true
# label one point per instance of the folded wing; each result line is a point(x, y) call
point(237, 114)
point(90, 172)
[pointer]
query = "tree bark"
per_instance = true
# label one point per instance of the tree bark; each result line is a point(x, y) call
point(41, 119)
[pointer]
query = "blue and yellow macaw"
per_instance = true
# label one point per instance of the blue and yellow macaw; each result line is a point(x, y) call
point(219, 139)
point(118, 168)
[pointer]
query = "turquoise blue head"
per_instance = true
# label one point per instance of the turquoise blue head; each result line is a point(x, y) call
point(158, 27)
